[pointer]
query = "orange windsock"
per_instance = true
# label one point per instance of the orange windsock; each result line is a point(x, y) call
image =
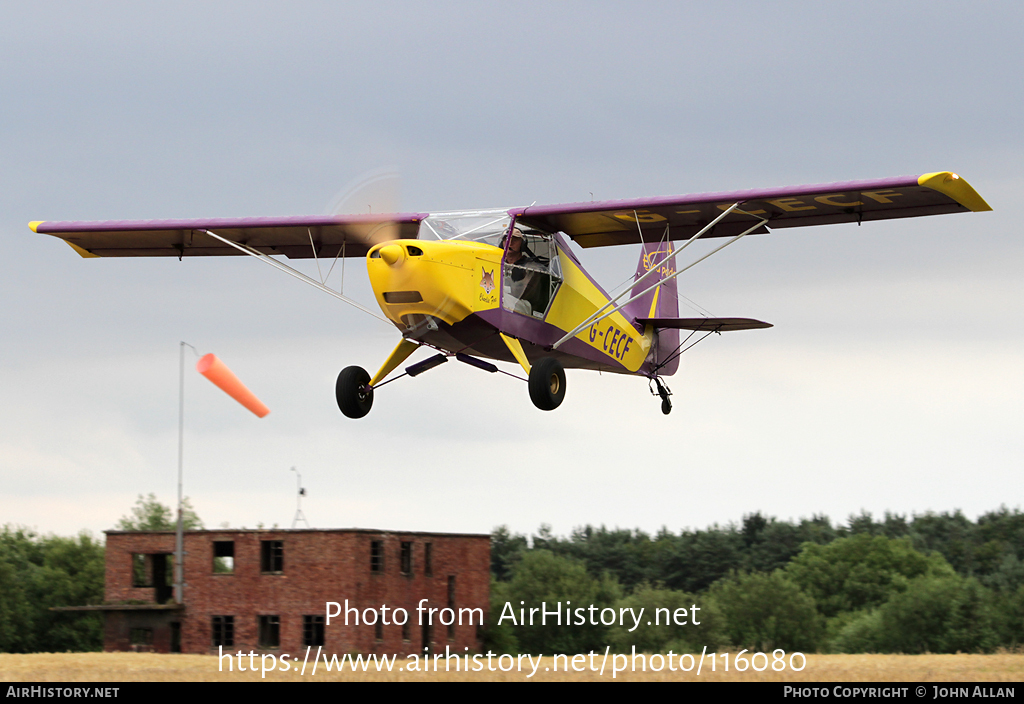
point(216, 371)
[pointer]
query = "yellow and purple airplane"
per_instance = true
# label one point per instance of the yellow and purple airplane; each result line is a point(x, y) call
point(504, 284)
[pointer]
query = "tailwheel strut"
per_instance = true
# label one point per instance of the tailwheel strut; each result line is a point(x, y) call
point(664, 393)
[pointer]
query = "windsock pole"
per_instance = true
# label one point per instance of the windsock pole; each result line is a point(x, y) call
point(217, 372)
point(179, 532)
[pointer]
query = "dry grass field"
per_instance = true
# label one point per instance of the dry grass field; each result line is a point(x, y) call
point(146, 667)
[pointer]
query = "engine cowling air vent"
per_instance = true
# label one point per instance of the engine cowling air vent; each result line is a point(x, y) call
point(414, 251)
point(402, 297)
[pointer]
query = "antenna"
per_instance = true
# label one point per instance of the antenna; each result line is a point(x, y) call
point(299, 515)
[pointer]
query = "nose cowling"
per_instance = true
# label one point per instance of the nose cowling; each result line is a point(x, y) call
point(443, 279)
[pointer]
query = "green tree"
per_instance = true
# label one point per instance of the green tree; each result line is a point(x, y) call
point(860, 571)
point(948, 534)
point(16, 612)
point(150, 514)
point(667, 622)
point(71, 574)
point(542, 579)
point(764, 611)
point(630, 555)
point(499, 638)
point(770, 544)
point(701, 557)
point(506, 549)
point(37, 573)
point(936, 614)
point(1010, 617)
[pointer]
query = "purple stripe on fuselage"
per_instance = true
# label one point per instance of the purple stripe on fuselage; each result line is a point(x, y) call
point(539, 336)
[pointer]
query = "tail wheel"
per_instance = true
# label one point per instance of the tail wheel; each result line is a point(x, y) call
point(355, 397)
point(547, 384)
point(666, 404)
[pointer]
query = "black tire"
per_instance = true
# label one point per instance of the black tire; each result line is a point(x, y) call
point(666, 406)
point(354, 397)
point(547, 384)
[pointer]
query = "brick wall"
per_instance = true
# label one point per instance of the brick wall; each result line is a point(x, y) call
point(318, 566)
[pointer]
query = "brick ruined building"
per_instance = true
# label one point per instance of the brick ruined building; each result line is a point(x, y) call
point(266, 590)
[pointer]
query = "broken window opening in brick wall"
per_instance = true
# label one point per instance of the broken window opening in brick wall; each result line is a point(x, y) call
point(406, 632)
point(223, 628)
point(141, 636)
point(427, 637)
point(270, 631)
point(142, 570)
point(312, 630)
point(163, 577)
point(223, 556)
point(272, 556)
point(378, 631)
point(406, 561)
point(376, 556)
point(428, 559)
point(156, 571)
point(175, 636)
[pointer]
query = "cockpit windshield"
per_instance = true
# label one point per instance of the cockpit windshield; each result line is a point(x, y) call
point(472, 225)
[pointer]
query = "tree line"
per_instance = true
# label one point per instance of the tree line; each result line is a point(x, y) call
point(37, 572)
point(937, 583)
point(930, 583)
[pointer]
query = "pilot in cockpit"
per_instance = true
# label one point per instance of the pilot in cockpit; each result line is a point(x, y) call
point(518, 251)
point(520, 265)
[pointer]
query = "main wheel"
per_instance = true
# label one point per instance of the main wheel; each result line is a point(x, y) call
point(547, 383)
point(355, 397)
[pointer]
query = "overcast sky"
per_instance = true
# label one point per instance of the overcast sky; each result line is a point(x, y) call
point(892, 380)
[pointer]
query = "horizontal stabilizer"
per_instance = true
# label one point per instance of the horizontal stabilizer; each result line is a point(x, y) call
point(712, 324)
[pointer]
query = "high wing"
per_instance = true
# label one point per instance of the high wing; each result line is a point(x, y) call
point(605, 223)
point(710, 324)
point(326, 236)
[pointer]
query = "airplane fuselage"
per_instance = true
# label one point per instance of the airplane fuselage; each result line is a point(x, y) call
point(458, 296)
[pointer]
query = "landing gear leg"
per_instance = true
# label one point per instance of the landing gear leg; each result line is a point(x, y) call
point(666, 404)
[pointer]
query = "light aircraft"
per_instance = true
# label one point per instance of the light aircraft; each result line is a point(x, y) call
point(504, 284)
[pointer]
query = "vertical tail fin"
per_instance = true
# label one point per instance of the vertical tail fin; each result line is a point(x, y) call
point(662, 302)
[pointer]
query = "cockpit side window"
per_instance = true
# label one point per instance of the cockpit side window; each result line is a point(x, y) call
point(531, 273)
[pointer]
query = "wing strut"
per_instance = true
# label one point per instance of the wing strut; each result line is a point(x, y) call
point(600, 314)
point(341, 253)
point(292, 272)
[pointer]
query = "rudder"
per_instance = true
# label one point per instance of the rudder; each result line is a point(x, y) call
point(662, 302)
